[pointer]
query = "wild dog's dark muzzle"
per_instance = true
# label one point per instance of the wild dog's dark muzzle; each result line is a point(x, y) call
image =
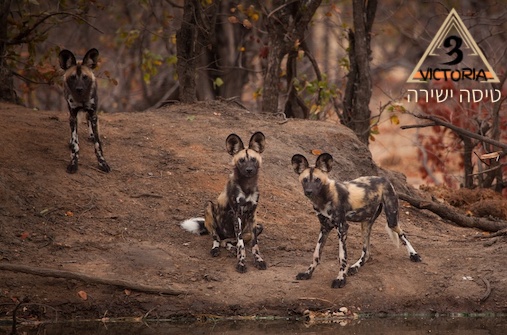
point(311, 188)
point(248, 169)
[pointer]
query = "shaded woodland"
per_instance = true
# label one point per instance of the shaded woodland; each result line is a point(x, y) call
point(334, 60)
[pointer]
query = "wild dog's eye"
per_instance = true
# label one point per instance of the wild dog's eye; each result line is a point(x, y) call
point(253, 159)
point(242, 160)
point(305, 180)
point(317, 180)
point(85, 77)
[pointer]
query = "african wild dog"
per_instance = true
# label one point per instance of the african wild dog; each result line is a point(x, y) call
point(359, 200)
point(80, 89)
point(231, 221)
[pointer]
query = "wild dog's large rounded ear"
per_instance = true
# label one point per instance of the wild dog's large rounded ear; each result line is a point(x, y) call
point(67, 59)
point(299, 163)
point(234, 144)
point(257, 142)
point(324, 162)
point(91, 58)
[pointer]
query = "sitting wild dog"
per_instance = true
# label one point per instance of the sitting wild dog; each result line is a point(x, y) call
point(231, 220)
point(80, 89)
point(358, 200)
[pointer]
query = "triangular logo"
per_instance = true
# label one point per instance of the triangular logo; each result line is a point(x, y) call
point(453, 55)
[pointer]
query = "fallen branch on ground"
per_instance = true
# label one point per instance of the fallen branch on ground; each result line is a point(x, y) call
point(448, 213)
point(502, 232)
point(45, 272)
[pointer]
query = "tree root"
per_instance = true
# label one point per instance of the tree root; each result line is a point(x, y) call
point(502, 232)
point(486, 294)
point(449, 213)
point(45, 272)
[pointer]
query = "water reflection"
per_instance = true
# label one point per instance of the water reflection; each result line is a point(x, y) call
point(387, 326)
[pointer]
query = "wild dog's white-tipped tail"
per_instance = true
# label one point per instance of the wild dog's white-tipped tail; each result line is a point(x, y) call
point(194, 225)
point(394, 236)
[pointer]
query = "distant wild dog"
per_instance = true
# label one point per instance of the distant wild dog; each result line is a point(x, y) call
point(359, 200)
point(80, 89)
point(231, 220)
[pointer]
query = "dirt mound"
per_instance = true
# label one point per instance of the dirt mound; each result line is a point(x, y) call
point(166, 165)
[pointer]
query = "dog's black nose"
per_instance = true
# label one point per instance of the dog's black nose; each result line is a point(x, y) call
point(308, 193)
point(249, 170)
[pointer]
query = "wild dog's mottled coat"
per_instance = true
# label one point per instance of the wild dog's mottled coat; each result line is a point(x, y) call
point(231, 221)
point(80, 89)
point(359, 200)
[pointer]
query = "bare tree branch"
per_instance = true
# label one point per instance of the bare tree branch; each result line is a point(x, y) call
point(315, 66)
point(23, 35)
point(458, 130)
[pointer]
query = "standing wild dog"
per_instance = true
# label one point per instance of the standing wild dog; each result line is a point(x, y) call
point(80, 89)
point(358, 200)
point(231, 221)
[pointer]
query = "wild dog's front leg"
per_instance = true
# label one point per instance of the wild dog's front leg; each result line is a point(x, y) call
point(342, 255)
point(93, 127)
point(317, 253)
point(74, 141)
point(91, 135)
point(240, 246)
point(258, 261)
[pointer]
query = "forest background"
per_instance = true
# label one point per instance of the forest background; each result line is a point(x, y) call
point(234, 44)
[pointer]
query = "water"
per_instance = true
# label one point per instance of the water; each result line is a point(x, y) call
point(387, 326)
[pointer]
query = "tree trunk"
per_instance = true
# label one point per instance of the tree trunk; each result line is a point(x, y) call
point(468, 147)
point(272, 79)
point(7, 92)
point(295, 106)
point(187, 50)
point(495, 135)
point(277, 49)
point(286, 24)
point(231, 62)
point(356, 111)
point(195, 40)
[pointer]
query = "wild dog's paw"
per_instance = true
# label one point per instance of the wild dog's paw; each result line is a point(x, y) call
point(215, 252)
point(241, 267)
point(104, 167)
point(303, 276)
point(353, 270)
point(415, 258)
point(72, 168)
point(261, 265)
point(338, 283)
